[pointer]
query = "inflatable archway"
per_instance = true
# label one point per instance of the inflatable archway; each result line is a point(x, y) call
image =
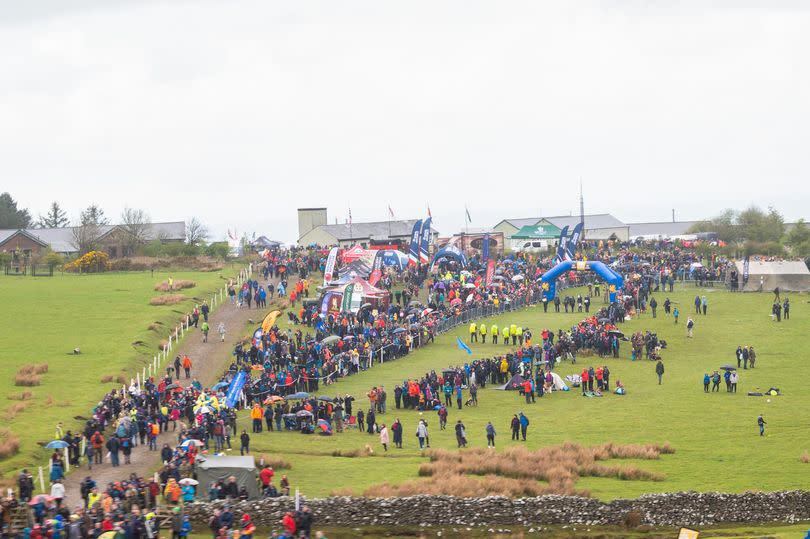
point(449, 253)
point(549, 279)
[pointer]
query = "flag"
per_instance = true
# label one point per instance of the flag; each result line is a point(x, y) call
point(350, 215)
point(463, 345)
point(416, 235)
point(485, 248)
point(562, 253)
point(429, 215)
point(423, 245)
point(467, 214)
point(573, 241)
point(390, 212)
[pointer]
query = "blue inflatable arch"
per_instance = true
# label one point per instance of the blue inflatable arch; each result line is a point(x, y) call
point(600, 268)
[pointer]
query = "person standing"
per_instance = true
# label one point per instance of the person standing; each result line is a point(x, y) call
point(706, 380)
point(715, 382)
point(396, 428)
point(515, 425)
point(490, 434)
point(786, 309)
point(659, 370)
point(704, 304)
point(205, 328)
point(461, 434)
point(675, 313)
point(697, 304)
point(739, 354)
point(421, 433)
point(733, 379)
point(752, 356)
point(244, 446)
point(653, 306)
point(221, 331)
point(384, 436)
point(186, 367)
point(524, 425)
point(690, 325)
point(761, 424)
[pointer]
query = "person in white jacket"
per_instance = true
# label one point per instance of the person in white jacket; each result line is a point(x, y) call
point(384, 436)
point(421, 433)
point(58, 492)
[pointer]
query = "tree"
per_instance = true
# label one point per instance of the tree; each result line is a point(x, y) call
point(135, 225)
point(759, 226)
point(798, 239)
point(55, 218)
point(196, 232)
point(93, 215)
point(10, 215)
point(724, 225)
point(84, 238)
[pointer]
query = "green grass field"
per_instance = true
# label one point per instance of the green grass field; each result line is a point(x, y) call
point(44, 319)
point(715, 435)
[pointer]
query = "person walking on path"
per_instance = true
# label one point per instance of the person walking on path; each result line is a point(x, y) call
point(690, 324)
point(186, 367)
point(221, 331)
point(205, 328)
point(675, 313)
point(244, 446)
point(490, 434)
point(421, 433)
point(659, 370)
point(761, 424)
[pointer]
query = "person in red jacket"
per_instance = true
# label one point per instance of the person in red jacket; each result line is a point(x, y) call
point(266, 476)
point(289, 524)
point(584, 380)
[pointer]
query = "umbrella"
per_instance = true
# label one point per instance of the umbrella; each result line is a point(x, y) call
point(470, 298)
point(517, 278)
point(498, 278)
point(604, 320)
point(427, 311)
point(57, 444)
point(348, 338)
point(189, 481)
point(331, 339)
point(220, 384)
point(192, 441)
point(616, 332)
point(204, 410)
point(325, 398)
point(455, 302)
point(298, 396)
point(303, 413)
point(728, 368)
point(273, 399)
point(174, 386)
point(469, 285)
point(365, 306)
point(41, 498)
point(439, 286)
point(399, 330)
point(414, 302)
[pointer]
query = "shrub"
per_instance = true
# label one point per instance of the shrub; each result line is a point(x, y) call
point(179, 284)
point(13, 410)
point(168, 299)
point(27, 380)
point(163, 344)
point(343, 491)
point(24, 396)
point(92, 262)
point(10, 444)
point(632, 519)
point(33, 368)
point(805, 458)
point(121, 379)
point(275, 462)
point(107, 378)
point(154, 326)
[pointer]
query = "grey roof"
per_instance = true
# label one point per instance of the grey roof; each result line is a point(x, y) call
point(664, 229)
point(377, 229)
point(61, 239)
point(228, 461)
point(520, 223)
point(592, 222)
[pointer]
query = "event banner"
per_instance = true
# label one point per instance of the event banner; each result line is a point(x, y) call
point(423, 244)
point(416, 235)
point(561, 245)
point(352, 298)
point(574, 241)
point(328, 272)
point(490, 271)
point(235, 389)
point(330, 303)
point(485, 248)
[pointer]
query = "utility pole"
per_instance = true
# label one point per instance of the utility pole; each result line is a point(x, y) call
point(673, 215)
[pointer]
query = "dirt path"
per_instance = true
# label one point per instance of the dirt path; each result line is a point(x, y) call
point(208, 362)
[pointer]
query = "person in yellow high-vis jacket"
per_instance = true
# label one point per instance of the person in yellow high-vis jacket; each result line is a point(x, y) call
point(513, 333)
point(473, 333)
point(494, 332)
point(520, 335)
point(505, 334)
point(482, 329)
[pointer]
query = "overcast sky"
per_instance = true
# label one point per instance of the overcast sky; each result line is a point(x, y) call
point(238, 112)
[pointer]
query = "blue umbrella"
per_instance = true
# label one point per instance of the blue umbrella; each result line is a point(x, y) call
point(220, 384)
point(299, 395)
point(57, 444)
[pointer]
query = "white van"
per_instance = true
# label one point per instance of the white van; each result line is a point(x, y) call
point(533, 246)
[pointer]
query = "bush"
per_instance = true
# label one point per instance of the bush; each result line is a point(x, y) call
point(275, 462)
point(805, 458)
point(179, 284)
point(13, 410)
point(107, 378)
point(632, 519)
point(33, 368)
point(27, 380)
point(24, 396)
point(121, 379)
point(92, 262)
point(10, 444)
point(168, 299)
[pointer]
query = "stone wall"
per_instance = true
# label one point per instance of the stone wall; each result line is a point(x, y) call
point(677, 509)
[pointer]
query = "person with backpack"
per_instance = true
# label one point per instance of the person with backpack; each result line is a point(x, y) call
point(490, 429)
point(515, 426)
point(706, 380)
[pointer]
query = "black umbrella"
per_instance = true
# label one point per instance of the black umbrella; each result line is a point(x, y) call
point(604, 320)
point(616, 332)
point(728, 368)
point(173, 386)
point(325, 398)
